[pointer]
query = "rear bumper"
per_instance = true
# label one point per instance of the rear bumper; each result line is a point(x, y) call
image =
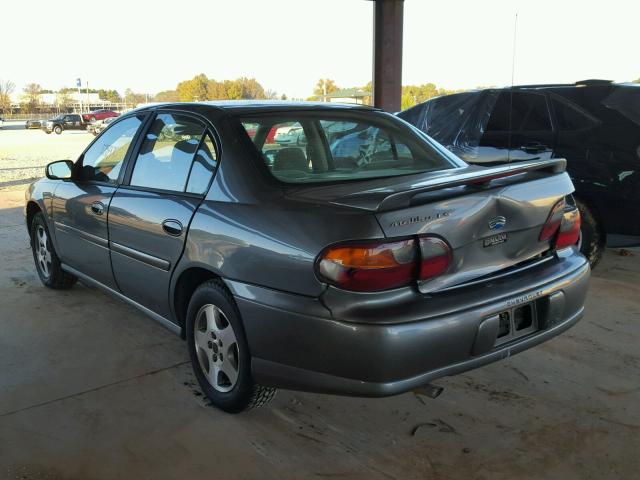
point(363, 347)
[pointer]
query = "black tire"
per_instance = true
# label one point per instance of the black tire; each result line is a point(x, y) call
point(245, 394)
point(55, 277)
point(592, 238)
point(57, 129)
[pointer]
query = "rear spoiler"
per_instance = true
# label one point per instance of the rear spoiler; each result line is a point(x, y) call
point(400, 197)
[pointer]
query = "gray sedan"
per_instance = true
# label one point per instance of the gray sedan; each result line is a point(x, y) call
point(366, 261)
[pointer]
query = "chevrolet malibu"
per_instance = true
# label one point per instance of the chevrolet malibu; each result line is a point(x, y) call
point(368, 261)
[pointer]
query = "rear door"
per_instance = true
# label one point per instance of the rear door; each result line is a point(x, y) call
point(149, 216)
point(80, 206)
point(518, 129)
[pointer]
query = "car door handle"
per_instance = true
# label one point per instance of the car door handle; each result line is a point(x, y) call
point(97, 208)
point(172, 227)
point(534, 147)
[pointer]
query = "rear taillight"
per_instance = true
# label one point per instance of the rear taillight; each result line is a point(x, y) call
point(562, 227)
point(435, 257)
point(569, 232)
point(368, 267)
point(552, 224)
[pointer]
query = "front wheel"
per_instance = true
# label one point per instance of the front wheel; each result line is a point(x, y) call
point(45, 257)
point(592, 238)
point(219, 351)
point(57, 129)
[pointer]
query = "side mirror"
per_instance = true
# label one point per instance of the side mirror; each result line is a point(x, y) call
point(60, 170)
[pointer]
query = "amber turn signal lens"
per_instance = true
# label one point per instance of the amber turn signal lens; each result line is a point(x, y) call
point(369, 267)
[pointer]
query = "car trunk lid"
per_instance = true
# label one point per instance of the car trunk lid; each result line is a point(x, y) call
point(490, 216)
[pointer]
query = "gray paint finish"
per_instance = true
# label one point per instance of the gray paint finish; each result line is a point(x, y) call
point(82, 235)
point(143, 255)
point(262, 239)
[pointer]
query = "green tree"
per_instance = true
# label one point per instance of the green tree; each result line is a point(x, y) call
point(167, 96)
point(283, 97)
point(195, 89)
point(414, 94)
point(132, 99)
point(324, 86)
point(109, 95)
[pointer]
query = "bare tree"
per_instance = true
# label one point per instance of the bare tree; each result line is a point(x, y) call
point(6, 89)
point(32, 96)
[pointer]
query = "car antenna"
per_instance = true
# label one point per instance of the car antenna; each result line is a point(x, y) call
point(513, 69)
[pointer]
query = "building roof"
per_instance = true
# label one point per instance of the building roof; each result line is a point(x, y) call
point(349, 93)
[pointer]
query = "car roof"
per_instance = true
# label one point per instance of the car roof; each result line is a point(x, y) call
point(261, 106)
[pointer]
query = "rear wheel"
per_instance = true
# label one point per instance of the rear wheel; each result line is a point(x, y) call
point(219, 351)
point(592, 238)
point(45, 257)
point(57, 129)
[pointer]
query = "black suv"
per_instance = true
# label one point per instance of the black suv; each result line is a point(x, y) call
point(68, 121)
point(594, 124)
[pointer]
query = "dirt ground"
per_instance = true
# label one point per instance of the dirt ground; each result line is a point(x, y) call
point(91, 389)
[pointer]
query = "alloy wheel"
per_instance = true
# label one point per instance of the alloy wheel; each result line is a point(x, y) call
point(216, 348)
point(43, 253)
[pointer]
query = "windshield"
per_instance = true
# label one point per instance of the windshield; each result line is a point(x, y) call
point(319, 147)
point(59, 117)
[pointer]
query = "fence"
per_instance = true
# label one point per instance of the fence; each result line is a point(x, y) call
point(45, 113)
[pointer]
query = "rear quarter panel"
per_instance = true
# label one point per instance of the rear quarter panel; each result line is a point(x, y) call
point(272, 245)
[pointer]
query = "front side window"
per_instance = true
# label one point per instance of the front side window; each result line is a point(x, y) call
point(167, 152)
point(315, 147)
point(103, 160)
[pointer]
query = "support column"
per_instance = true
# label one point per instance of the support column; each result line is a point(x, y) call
point(387, 54)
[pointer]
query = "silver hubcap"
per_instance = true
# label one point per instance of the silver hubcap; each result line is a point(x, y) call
point(217, 348)
point(43, 254)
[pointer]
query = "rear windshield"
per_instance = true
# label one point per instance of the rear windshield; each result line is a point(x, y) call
point(315, 147)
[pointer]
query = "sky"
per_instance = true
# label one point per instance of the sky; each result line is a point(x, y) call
point(287, 45)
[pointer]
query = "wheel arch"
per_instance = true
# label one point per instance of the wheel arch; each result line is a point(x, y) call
point(594, 211)
point(32, 209)
point(186, 282)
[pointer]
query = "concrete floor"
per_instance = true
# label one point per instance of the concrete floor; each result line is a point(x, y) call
point(91, 389)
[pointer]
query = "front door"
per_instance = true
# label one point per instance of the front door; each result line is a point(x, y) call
point(80, 206)
point(149, 217)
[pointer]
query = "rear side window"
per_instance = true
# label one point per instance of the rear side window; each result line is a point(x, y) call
point(103, 160)
point(167, 153)
point(571, 116)
point(314, 147)
point(519, 112)
point(203, 167)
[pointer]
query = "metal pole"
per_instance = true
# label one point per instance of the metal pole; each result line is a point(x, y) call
point(387, 54)
point(78, 85)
